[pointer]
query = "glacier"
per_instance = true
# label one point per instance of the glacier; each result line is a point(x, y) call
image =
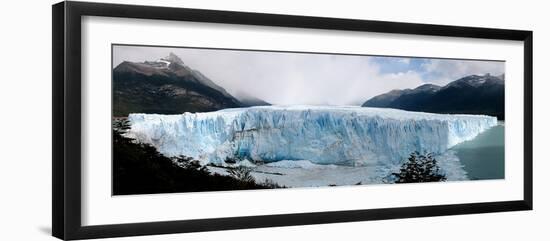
point(340, 135)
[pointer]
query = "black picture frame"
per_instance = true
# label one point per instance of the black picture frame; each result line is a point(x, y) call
point(66, 169)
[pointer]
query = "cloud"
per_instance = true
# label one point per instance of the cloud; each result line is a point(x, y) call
point(404, 60)
point(306, 79)
point(443, 71)
point(318, 79)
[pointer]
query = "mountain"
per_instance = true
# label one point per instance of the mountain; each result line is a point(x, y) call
point(165, 86)
point(386, 100)
point(474, 94)
point(248, 100)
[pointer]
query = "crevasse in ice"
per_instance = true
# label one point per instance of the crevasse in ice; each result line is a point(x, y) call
point(322, 134)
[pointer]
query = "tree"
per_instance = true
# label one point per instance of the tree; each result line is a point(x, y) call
point(419, 168)
point(139, 168)
point(122, 125)
point(241, 173)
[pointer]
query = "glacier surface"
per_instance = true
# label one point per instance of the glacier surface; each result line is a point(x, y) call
point(343, 135)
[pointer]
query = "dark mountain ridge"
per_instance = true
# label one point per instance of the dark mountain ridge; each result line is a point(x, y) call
point(166, 86)
point(248, 100)
point(474, 94)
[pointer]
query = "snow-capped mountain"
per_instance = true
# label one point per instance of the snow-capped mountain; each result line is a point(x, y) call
point(477, 81)
point(324, 135)
point(474, 94)
point(166, 86)
point(172, 58)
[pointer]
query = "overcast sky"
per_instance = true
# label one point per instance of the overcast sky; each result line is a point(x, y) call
point(318, 79)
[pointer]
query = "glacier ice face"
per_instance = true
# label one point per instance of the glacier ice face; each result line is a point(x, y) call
point(345, 135)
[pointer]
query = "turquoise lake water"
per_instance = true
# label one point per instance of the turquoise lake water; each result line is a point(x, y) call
point(483, 157)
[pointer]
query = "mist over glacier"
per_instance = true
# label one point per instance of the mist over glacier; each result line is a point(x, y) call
point(343, 135)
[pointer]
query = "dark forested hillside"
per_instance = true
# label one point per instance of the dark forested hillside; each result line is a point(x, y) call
point(141, 169)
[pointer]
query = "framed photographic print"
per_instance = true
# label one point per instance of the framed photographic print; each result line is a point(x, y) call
point(171, 120)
